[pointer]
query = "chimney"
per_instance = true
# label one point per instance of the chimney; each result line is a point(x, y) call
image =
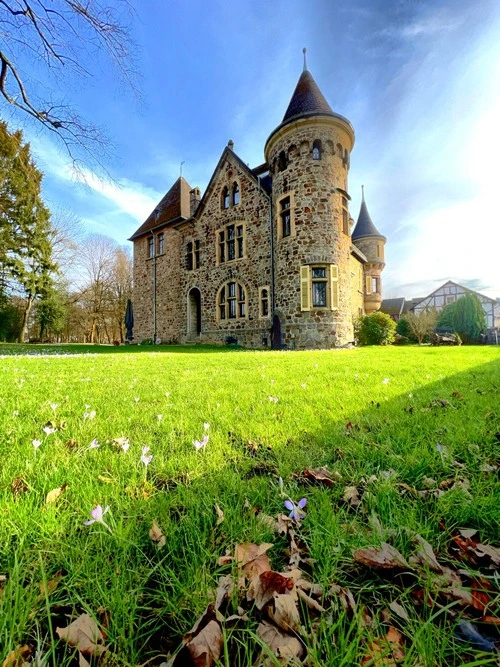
point(230, 144)
point(194, 200)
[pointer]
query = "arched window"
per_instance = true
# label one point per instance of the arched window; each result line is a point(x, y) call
point(232, 301)
point(316, 151)
point(236, 193)
point(225, 197)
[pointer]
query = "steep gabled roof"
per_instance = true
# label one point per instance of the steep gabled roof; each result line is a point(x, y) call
point(173, 207)
point(364, 226)
point(227, 153)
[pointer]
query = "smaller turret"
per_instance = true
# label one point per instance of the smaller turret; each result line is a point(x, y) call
point(372, 244)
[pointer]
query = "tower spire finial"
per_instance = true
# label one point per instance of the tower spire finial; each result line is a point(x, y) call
point(362, 193)
point(304, 51)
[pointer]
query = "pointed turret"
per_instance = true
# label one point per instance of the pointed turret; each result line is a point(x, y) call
point(364, 226)
point(372, 244)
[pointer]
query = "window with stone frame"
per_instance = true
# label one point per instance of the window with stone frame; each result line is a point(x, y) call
point(375, 288)
point(264, 307)
point(193, 255)
point(316, 151)
point(232, 301)
point(151, 246)
point(235, 194)
point(319, 287)
point(161, 243)
point(285, 216)
point(345, 216)
point(225, 197)
point(231, 242)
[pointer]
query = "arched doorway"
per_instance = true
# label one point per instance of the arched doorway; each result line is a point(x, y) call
point(194, 312)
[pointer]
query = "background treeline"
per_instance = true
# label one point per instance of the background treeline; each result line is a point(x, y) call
point(56, 282)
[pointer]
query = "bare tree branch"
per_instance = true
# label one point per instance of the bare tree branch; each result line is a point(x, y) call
point(63, 38)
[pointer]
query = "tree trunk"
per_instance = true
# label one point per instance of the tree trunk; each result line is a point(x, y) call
point(26, 314)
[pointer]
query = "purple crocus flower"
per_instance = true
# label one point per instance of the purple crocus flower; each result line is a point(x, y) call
point(296, 509)
point(200, 443)
point(97, 513)
point(146, 458)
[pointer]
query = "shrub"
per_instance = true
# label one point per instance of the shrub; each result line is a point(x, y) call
point(375, 329)
point(422, 325)
point(466, 317)
point(403, 327)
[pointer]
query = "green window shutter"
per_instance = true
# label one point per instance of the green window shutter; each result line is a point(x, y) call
point(334, 287)
point(305, 292)
point(368, 284)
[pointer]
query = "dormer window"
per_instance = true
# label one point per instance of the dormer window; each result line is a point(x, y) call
point(225, 197)
point(236, 194)
point(316, 151)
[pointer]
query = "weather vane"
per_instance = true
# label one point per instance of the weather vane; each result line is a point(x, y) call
point(181, 165)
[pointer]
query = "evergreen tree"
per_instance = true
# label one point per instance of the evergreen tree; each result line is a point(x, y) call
point(26, 261)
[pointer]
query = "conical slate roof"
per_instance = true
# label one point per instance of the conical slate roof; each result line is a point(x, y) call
point(364, 225)
point(307, 99)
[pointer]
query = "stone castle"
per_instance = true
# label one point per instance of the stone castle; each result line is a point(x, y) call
point(266, 257)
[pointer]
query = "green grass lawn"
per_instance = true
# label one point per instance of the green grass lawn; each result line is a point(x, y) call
point(415, 430)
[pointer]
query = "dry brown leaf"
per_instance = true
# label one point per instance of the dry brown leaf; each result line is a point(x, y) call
point(82, 661)
point(351, 496)
point(310, 602)
point(206, 646)
point(220, 515)
point(321, 476)
point(268, 583)
point(84, 635)
point(488, 551)
point(225, 560)
point(17, 657)
point(384, 558)
point(425, 555)
point(224, 590)
point(53, 495)
point(157, 536)
point(252, 558)
point(46, 588)
point(18, 486)
point(281, 644)
point(399, 610)
point(284, 612)
point(345, 596)
point(387, 652)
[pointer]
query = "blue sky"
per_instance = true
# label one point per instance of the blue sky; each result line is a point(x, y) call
point(419, 81)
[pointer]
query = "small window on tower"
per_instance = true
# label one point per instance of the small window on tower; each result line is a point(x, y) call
point(285, 217)
point(345, 216)
point(282, 161)
point(316, 151)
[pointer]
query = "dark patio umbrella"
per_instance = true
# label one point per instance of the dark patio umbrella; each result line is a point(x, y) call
point(129, 320)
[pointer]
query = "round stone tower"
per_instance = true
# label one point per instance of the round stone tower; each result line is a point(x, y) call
point(372, 244)
point(308, 156)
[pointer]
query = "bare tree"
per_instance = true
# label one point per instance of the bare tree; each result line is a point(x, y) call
point(54, 39)
point(423, 324)
point(66, 235)
point(97, 260)
point(121, 288)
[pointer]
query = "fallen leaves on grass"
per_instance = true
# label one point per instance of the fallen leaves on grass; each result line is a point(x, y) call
point(320, 476)
point(18, 486)
point(351, 497)
point(157, 536)
point(53, 495)
point(84, 635)
point(384, 558)
point(17, 657)
point(284, 646)
point(386, 652)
